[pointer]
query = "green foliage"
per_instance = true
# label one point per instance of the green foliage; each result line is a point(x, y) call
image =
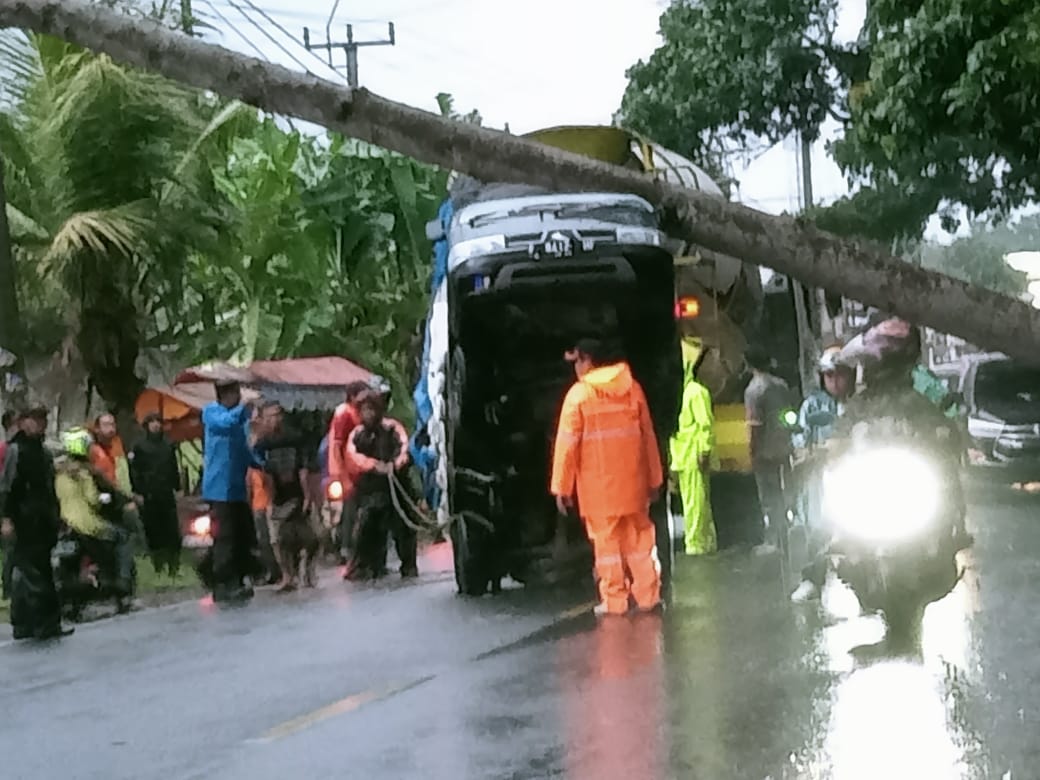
point(731, 75)
point(324, 252)
point(446, 104)
point(979, 257)
point(146, 216)
point(100, 198)
point(951, 111)
point(939, 101)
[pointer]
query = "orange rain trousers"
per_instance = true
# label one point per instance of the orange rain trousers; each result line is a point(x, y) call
point(626, 561)
point(607, 455)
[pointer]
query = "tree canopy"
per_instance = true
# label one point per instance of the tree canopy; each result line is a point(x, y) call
point(937, 101)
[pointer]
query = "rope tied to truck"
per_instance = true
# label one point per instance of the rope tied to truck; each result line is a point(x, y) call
point(424, 520)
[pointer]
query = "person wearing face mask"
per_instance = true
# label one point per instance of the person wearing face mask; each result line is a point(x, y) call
point(607, 466)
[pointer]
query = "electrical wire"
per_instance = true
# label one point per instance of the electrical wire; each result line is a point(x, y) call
point(397, 13)
point(270, 37)
point(425, 52)
point(247, 40)
point(281, 28)
point(251, 44)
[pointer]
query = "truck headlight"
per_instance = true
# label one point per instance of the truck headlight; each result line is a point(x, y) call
point(884, 494)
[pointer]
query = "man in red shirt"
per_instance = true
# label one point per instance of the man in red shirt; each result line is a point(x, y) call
point(346, 418)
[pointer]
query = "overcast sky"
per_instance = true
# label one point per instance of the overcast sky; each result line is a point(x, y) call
point(533, 64)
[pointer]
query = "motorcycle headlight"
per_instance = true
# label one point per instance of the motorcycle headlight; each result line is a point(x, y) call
point(200, 526)
point(885, 494)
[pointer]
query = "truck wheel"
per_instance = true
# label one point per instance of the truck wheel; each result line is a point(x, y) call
point(661, 516)
point(470, 564)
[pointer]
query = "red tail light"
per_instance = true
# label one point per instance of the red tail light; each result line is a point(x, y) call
point(687, 308)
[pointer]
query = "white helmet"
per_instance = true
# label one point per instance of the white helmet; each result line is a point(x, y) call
point(831, 360)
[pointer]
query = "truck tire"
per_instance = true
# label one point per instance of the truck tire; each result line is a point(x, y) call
point(661, 516)
point(470, 558)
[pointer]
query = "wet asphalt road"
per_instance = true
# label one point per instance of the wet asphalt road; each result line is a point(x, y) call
point(408, 681)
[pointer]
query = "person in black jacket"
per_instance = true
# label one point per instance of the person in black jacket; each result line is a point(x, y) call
point(155, 481)
point(29, 520)
point(378, 448)
point(7, 430)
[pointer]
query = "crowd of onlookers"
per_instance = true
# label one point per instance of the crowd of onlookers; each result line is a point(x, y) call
point(276, 494)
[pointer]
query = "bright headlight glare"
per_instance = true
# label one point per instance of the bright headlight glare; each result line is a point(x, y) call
point(882, 494)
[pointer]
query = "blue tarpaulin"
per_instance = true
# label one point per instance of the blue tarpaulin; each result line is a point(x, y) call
point(424, 454)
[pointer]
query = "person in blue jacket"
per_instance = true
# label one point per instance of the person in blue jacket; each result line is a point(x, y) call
point(227, 455)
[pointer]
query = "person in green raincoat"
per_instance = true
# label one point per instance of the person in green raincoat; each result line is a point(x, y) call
point(692, 449)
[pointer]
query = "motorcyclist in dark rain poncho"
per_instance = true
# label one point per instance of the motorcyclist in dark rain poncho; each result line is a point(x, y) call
point(889, 408)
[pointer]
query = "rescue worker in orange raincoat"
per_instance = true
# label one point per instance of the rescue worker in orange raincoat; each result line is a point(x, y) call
point(607, 457)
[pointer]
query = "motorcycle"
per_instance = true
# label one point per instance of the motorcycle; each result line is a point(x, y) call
point(332, 520)
point(895, 528)
point(198, 538)
point(85, 569)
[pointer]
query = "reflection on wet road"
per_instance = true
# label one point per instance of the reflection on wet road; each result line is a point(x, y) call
point(733, 681)
point(824, 699)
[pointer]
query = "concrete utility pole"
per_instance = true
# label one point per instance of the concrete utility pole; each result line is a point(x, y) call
point(350, 47)
point(807, 342)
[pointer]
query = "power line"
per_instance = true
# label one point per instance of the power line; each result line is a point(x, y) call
point(312, 16)
point(234, 29)
point(269, 37)
point(427, 53)
point(281, 28)
point(249, 42)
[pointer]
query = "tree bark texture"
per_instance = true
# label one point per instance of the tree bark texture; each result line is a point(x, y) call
point(790, 245)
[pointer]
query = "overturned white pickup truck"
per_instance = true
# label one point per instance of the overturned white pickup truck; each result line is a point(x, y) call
point(520, 275)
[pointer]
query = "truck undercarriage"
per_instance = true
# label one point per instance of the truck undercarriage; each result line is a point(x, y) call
point(507, 379)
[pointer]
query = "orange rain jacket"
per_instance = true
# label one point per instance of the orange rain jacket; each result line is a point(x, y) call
point(606, 449)
point(103, 459)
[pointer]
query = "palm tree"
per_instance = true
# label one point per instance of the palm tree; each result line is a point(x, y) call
point(103, 196)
